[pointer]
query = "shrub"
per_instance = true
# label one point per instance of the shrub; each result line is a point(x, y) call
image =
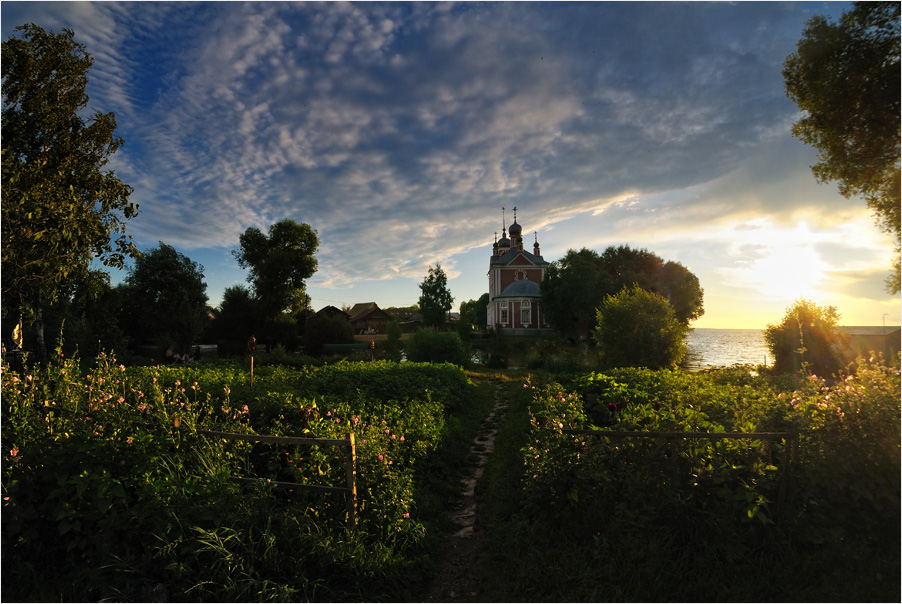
point(637, 328)
point(427, 346)
point(808, 340)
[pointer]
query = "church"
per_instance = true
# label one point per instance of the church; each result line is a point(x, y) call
point(514, 278)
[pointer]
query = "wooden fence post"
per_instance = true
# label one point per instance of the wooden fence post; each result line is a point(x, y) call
point(352, 481)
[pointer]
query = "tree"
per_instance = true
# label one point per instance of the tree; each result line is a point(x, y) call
point(60, 209)
point(473, 314)
point(165, 299)
point(575, 285)
point(808, 340)
point(237, 319)
point(845, 77)
point(572, 289)
point(435, 297)
point(638, 328)
point(322, 329)
point(279, 264)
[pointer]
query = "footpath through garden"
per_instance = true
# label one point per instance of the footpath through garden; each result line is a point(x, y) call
point(457, 579)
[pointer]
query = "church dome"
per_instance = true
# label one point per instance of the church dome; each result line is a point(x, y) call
point(515, 230)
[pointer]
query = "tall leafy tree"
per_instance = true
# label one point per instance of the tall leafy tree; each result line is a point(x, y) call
point(575, 285)
point(435, 297)
point(165, 299)
point(473, 314)
point(60, 208)
point(845, 77)
point(572, 289)
point(279, 265)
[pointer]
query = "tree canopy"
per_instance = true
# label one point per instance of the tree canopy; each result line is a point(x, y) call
point(165, 298)
point(60, 209)
point(279, 265)
point(808, 339)
point(638, 328)
point(845, 77)
point(435, 297)
point(575, 286)
point(473, 313)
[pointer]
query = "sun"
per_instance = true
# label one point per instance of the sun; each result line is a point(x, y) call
point(787, 271)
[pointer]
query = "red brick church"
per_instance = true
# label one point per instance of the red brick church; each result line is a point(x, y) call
point(514, 277)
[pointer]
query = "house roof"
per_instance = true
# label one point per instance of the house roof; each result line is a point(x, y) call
point(870, 330)
point(511, 256)
point(360, 307)
point(374, 313)
point(331, 311)
point(522, 289)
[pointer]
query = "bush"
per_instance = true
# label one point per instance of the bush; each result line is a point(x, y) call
point(808, 340)
point(321, 330)
point(637, 328)
point(427, 346)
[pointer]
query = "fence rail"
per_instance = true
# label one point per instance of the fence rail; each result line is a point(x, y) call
point(350, 491)
point(789, 452)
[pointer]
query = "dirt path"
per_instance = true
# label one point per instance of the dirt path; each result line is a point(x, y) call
point(458, 575)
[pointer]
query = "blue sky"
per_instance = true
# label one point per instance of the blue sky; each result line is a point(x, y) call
point(399, 131)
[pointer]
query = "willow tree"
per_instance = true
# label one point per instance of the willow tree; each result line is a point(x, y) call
point(61, 210)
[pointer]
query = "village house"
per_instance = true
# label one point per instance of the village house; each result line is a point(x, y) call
point(514, 278)
point(368, 318)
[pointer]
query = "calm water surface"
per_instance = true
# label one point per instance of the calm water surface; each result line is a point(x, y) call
point(725, 347)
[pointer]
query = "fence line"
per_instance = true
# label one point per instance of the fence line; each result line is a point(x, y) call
point(350, 490)
point(789, 452)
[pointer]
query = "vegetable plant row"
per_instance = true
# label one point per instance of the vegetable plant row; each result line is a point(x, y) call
point(110, 491)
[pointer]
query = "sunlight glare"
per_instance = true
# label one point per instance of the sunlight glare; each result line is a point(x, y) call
point(788, 272)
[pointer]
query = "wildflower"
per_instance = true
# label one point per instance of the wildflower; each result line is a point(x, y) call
point(178, 383)
point(380, 457)
point(402, 438)
point(121, 367)
point(14, 452)
point(121, 399)
point(129, 441)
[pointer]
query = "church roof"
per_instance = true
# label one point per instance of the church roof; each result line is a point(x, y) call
point(521, 289)
point(510, 256)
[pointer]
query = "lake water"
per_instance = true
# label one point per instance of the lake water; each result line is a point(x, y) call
point(725, 347)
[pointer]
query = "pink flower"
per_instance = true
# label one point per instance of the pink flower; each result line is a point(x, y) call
point(380, 457)
point(178, 383)
point(402, 438)
point(129, 441)
point(13, 452)
point(121, 399)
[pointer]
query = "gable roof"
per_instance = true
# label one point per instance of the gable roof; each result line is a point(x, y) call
point(517, 257)
point(360, 307)
point(331, 311)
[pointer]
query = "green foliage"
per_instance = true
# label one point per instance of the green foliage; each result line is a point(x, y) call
point(435, 297)
point(637, 328)
point(238, 317)
point(473, 314)
point(60, 210)
point(575, 286)
point(808, 340)
point(614, 519)
point(165, 299)
point(279, 264)
point(321, 329)
point(110, 492)
point(845, 78)
point(428, 346)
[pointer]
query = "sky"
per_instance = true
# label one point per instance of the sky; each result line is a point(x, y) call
point(399, 131)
